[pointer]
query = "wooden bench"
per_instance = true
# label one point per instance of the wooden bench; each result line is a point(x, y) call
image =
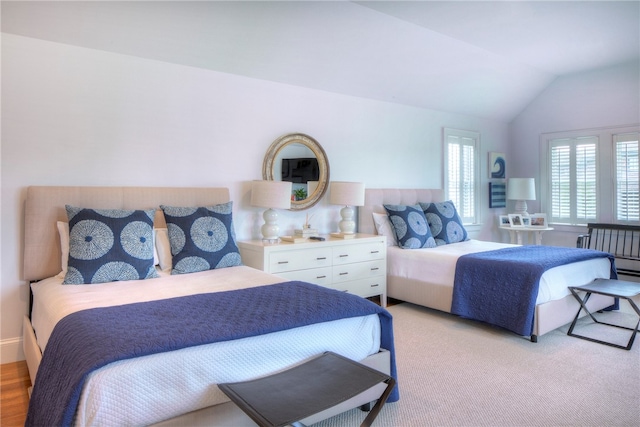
point(622, 241)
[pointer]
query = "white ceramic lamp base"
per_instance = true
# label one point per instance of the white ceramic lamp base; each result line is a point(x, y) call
point(270, 229)
point(347, 225)
point(521, 207)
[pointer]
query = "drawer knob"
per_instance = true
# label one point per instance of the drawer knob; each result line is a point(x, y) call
point(374, 268)
point(321, 277)
point(343, 274)
point(343, 256)
point(374, 285)
point(283, 262)
point(321, 258)
point(375, 252)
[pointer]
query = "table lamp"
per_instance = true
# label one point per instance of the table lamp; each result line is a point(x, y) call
point(347, 194)
point(271, 195)
point(521, 190)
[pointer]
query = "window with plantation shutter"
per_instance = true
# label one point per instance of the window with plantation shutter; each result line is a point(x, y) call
point(627, 181)
point(573, 180)
point(461, 175)
point(591, 175)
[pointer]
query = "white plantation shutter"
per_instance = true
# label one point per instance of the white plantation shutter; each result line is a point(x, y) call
point(586, 182)
point(461, 151)
point(573, 180)
point(627, 181)
point(560, 182)
point(453, 167)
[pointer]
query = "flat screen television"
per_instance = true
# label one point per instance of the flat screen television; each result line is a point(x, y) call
point(300, 170)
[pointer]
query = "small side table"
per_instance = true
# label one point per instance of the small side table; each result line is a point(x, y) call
point(516, 233)
point(287, 397)
point(613, 288)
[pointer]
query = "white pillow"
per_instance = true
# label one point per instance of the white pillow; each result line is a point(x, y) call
point(383, 227)
point(63, 231)
point(163, 249)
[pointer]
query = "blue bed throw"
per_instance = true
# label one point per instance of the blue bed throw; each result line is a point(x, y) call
point(88, 340)
point(500, 287)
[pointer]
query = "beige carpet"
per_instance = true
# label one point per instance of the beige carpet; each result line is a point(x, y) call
point(454, 372)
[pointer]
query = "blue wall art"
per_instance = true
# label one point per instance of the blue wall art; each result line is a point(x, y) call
point(497, 195)
point(497, 166)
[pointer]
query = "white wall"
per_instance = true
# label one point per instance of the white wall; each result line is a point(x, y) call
point(602, 98)
point(75, 116)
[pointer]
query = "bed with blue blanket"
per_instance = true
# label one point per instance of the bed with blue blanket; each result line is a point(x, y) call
point(151, 351)
point(523, 289)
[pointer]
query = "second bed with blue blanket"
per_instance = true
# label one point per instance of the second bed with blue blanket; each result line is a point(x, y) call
point(426, 276)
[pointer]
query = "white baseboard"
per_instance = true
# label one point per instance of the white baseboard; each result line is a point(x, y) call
point(11, 350)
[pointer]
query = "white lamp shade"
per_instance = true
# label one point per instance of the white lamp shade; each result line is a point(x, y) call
point(271, 194)
point(347, 193)
point(521, 189)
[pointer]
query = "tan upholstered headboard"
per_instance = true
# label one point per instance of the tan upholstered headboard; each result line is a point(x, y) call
point(375, 198)
point(45, 206)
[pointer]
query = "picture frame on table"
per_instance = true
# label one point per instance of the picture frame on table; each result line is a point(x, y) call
point(538, 220)
point(526, 221)
point(503, 221)
point(515, 220)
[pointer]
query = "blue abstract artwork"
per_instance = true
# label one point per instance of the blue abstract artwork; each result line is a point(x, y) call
point(497, 195)
point(497, 166)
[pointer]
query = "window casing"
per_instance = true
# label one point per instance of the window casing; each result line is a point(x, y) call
point(461, 153)
point(573, 179)
point(590, 176)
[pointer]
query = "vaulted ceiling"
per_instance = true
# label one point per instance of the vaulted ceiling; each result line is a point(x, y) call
point(482, 58)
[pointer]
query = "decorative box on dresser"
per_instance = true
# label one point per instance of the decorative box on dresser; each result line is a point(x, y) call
point(357, 265)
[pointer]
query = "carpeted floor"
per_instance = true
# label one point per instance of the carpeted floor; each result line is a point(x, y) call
point(454, 372)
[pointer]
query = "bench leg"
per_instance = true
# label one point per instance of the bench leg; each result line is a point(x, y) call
point(583, 303)
point(366, 407)
point(391, 383)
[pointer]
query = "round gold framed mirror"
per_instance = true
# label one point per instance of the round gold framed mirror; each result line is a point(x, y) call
point(298, 158)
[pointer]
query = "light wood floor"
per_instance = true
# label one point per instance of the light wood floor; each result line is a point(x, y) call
point(14, 397)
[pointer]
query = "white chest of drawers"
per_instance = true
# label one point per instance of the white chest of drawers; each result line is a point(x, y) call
point(357, 266)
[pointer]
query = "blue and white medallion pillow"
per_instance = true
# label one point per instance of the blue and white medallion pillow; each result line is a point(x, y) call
point(410, 226)
point(107, 245)
point(201, 238)
point(444, 222)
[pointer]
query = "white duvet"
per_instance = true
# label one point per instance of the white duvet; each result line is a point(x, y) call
point(157, 387)
point(438, 266)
